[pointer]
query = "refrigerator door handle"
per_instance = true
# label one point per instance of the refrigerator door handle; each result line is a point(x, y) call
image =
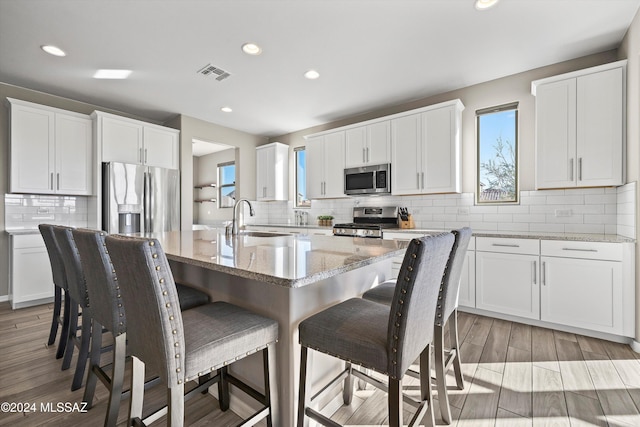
point(147, 202)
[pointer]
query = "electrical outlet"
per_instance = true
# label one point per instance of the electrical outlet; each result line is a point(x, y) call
point(463, 211)
point(563, 212)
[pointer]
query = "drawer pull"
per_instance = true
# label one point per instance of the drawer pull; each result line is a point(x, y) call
point(505, 245)
point(579, 250)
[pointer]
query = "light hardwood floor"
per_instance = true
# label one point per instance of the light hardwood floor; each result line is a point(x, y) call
point(516, 375)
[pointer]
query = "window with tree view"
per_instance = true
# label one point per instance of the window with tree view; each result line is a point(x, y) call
point(227, 184)
point(497, 154)
point(301, 179)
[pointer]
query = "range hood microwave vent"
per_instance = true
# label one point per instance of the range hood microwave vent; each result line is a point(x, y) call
point(212, 70)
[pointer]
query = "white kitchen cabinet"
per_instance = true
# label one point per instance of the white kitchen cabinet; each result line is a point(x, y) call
point(325, 166)
point(580, 128)
point(467, 293)
point(507, 276)
point(136, 142)
point(368, 144)
point(272, 172)
point(30, 277)
point(582, 285)
point(51, 150)
point(425, 150)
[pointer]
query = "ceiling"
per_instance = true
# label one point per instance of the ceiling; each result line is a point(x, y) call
point(370, 53)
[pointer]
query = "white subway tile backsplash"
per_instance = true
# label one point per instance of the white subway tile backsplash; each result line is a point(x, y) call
point(25, 211)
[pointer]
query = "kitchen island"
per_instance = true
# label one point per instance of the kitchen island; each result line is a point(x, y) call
point(285, 277)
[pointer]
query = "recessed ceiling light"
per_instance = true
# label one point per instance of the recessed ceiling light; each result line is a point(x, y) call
point(251, 49)
point(312, 74)
point(112, 74)
point(226, 109)
point(53, 50)
point(485, 4)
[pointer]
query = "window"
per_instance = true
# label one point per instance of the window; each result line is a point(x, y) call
point(227, 184)
point(301, 178)
point(497, 167)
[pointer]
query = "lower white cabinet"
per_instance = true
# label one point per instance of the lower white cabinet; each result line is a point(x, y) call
point(30, 278)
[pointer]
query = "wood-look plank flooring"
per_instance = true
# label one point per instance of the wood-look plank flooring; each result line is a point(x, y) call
point(516, 375)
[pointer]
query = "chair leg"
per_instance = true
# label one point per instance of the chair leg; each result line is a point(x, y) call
point(64, 334)
point(441, 375)
point(117, 378)
point(270, 385)
point(347, 390)
point(223, 389)
point(176, 405)
point(57, 302)
point(83, 353)
point(453, 334)
point(305, 379)
point(426, 391)
point(71, 335)
point(94, 360)
point(395, 403)
point(137, 390)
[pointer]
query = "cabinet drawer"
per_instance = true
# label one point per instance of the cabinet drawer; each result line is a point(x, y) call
point(400, 236)
point(506, 245)
point(28, 241)
point(585, 250)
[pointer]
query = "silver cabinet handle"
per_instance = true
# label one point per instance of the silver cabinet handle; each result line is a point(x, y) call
point(418, 180)
point(579, 250)
point(422, 174)
point(52, 180)
point(580, 169)
point(535, 274)
point(145, 155)
point(58, 180)
point(505, 245)
point(571, 169)
point(364, 155)
point(140, 155)
point(544, 273)
point(368, 158)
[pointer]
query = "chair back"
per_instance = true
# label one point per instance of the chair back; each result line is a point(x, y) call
point(448, 298)
point(57, 264)
point(155, 332)
point(72, 266)
point(414, 300)
point(102, 283)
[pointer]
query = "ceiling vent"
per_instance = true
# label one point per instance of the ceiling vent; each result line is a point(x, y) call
point(212, 70)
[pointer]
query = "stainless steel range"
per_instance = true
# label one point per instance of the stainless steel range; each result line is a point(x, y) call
point(368, 222)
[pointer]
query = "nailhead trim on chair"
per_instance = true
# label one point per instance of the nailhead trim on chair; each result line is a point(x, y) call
point(118, 295)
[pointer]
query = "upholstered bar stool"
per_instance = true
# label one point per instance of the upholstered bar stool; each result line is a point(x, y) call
point(189, 345)
point(60, 313)
point(384, 338)
point(446, 312)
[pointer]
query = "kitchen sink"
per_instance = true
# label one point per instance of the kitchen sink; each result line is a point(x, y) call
point(262, 234)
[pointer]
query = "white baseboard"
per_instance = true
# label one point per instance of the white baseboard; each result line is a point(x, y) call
point(4, 298)
point(635, 346)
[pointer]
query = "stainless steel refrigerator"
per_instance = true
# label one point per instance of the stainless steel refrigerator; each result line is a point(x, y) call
point(138, 198)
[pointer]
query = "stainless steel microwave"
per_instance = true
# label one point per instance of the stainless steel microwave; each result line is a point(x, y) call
point(374, 179)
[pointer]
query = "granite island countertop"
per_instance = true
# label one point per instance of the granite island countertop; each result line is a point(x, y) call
point(286, 260)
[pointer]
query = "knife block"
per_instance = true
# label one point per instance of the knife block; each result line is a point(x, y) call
point(406, 224)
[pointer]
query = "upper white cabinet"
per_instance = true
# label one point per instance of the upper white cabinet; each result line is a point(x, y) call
point(580, 128)
point(272, 172)
point(425, 150)
point(51, 150)
point(325, 165)
point(368, 144)
point(133, 141)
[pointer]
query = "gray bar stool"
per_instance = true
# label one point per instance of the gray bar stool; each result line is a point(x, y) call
point(447, 311)
point(60, 312)
point(384, 338)
point(189, 345)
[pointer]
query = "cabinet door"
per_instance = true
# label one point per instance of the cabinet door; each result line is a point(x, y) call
point(440, 151)
point(467, 293)
point(121, 141)
point(334, 165)
point(265, 161)
point(74, 155)
point(315, 167)
point(31, 279)
point(161, 148)
point(32, 146)
point(599, 129)
point(556, 163)
point(356, 147)
point(507, 283)
point(406, 164)
point(582, 293)
point(377, 150)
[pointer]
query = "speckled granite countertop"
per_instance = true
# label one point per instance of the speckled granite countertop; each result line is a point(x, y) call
point(584, 237)
point(17, 232)
point(290, 260)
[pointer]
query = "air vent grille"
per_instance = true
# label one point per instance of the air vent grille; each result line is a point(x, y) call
point(212, 70)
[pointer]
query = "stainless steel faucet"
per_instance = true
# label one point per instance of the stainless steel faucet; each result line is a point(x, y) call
point(236, 226)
